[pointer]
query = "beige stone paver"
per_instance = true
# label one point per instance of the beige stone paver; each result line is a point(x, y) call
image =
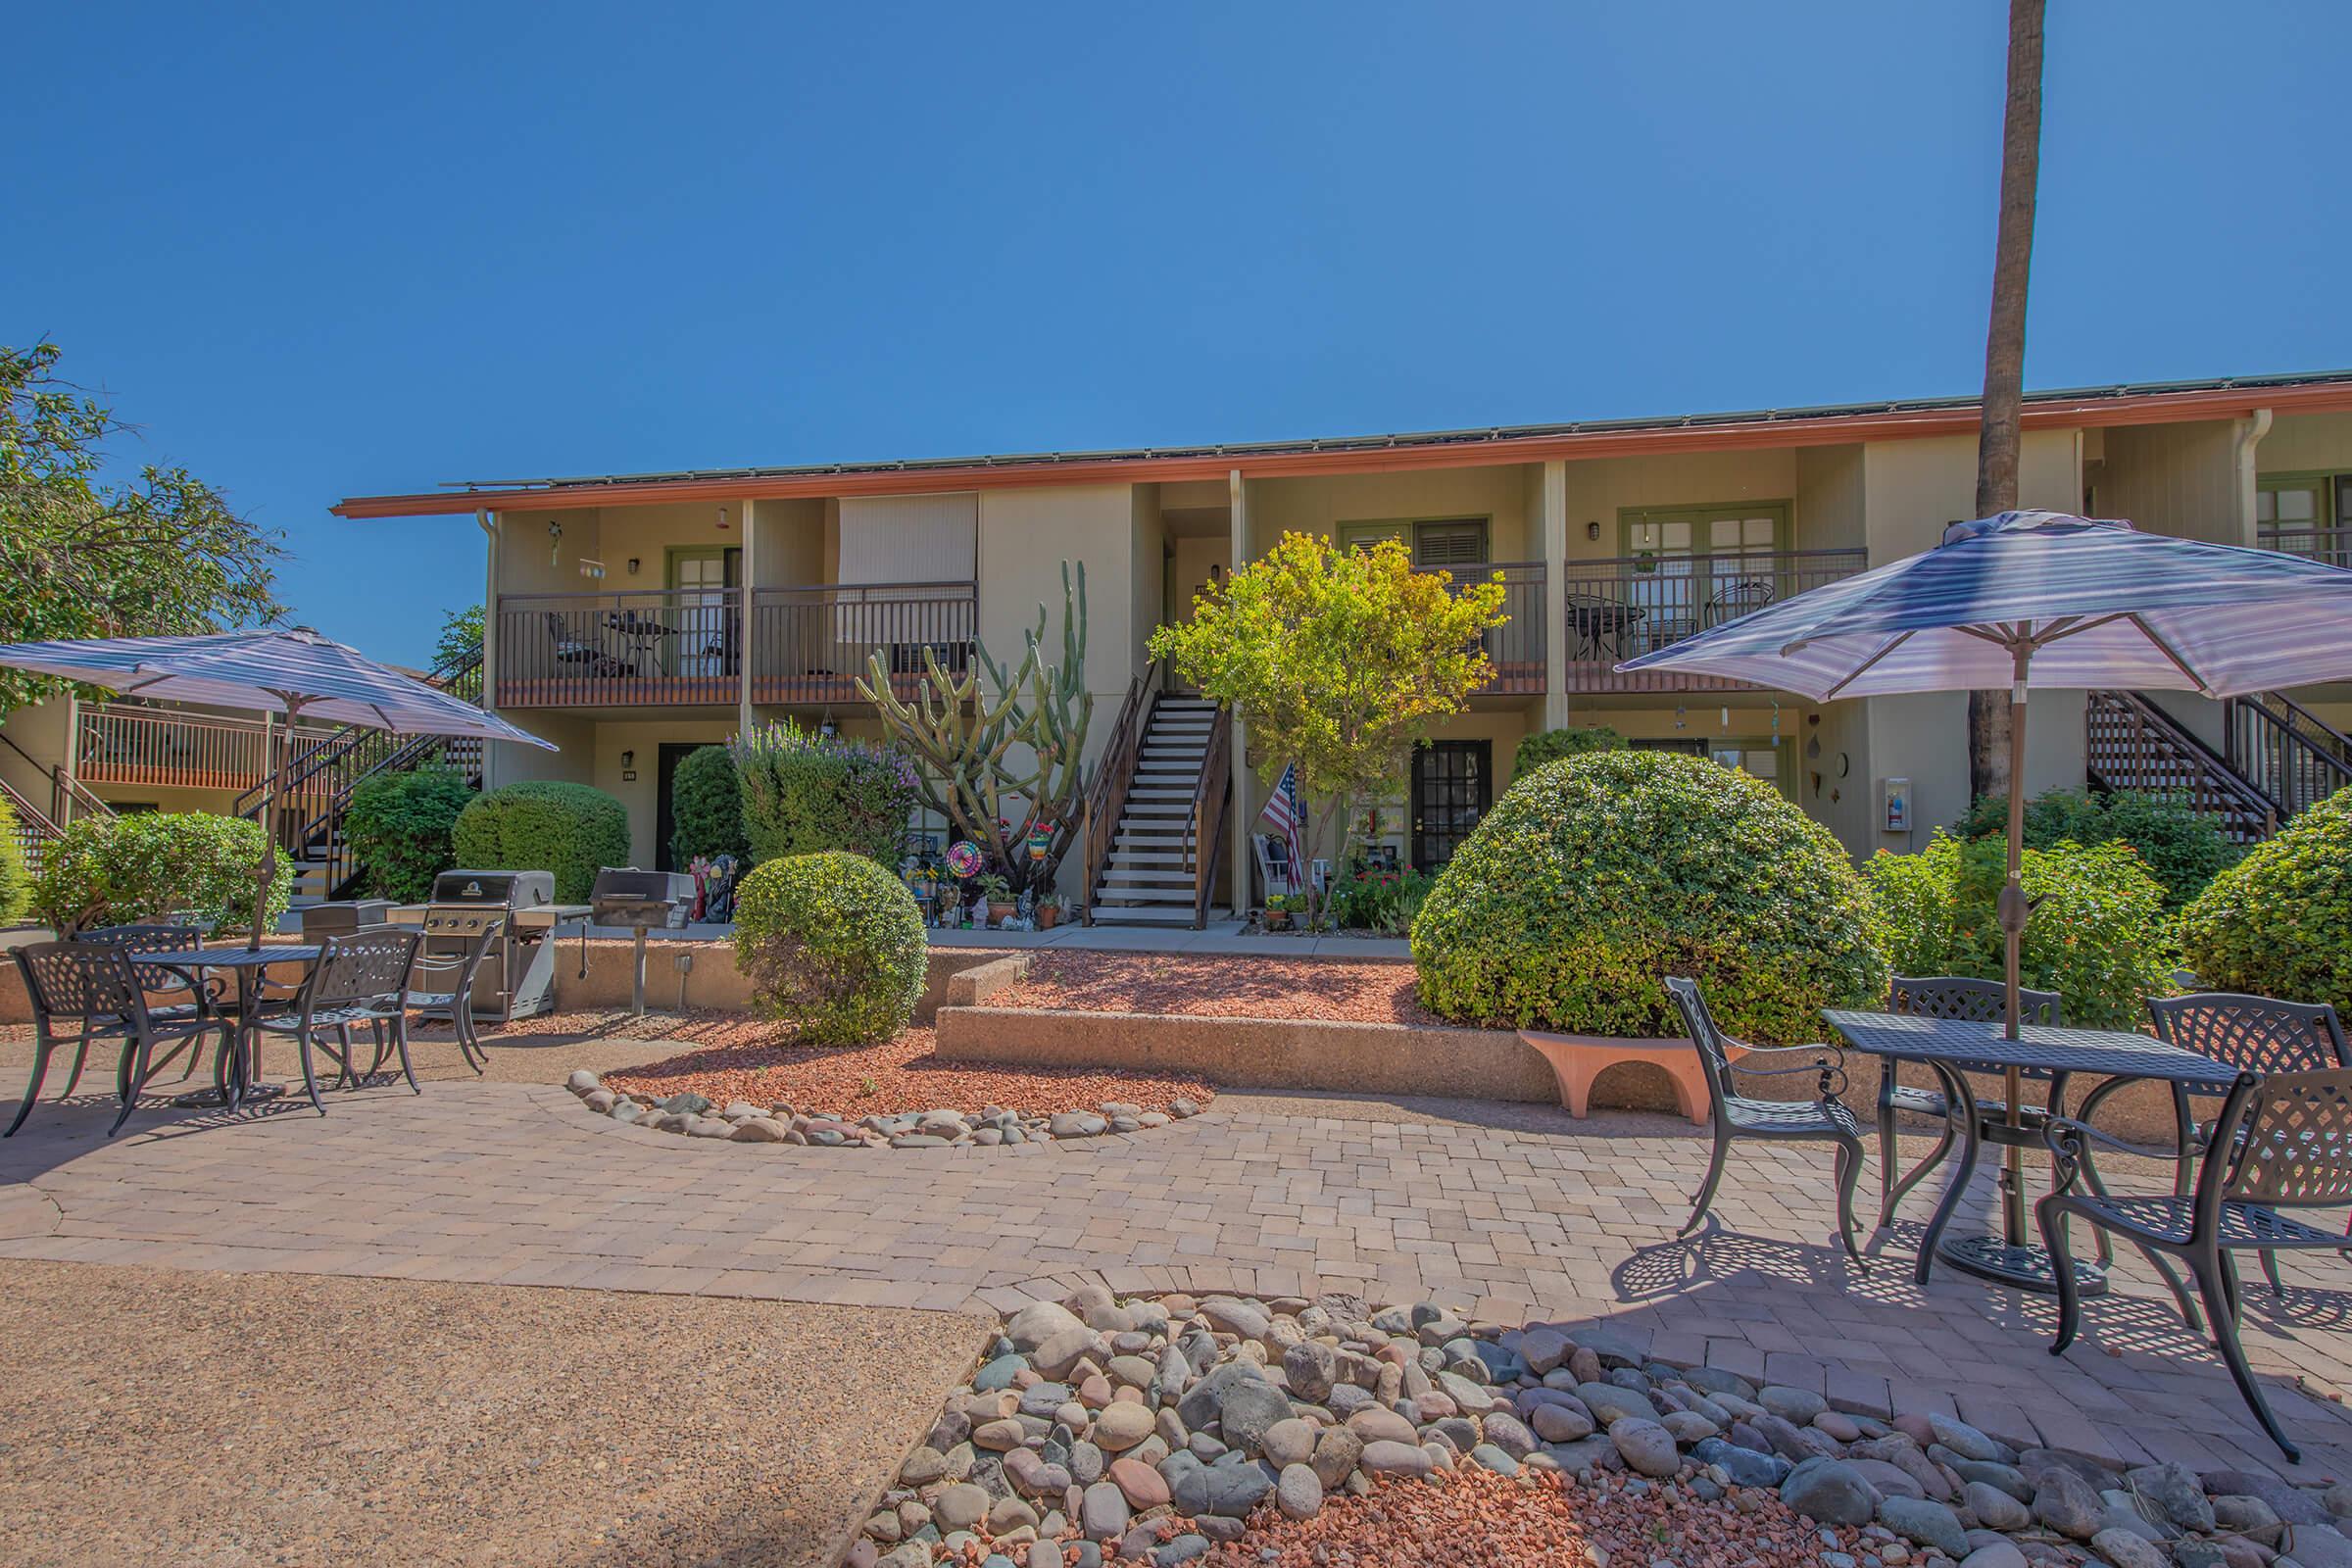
point(1572, 1223)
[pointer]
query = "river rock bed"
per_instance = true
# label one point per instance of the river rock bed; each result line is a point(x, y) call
point(1160, 1429)
point(692, 1116)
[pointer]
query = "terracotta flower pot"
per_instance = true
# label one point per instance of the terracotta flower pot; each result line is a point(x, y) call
point(998, 914)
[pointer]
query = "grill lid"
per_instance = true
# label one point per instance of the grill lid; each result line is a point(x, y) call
point(619, 886)
point(507, 889)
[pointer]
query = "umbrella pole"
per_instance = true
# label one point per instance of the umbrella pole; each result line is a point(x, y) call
point(2013, 912)
point(280, 753)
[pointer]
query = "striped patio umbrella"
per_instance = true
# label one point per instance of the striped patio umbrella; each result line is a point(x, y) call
point(284, 673)
point(2043, 599)
point(2032, 599)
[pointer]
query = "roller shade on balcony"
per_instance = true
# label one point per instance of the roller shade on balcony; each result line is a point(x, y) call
point(909, 539)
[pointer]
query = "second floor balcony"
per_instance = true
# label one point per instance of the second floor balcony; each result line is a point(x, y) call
point(1623, 608)
point(696, 647)
point(125, 743)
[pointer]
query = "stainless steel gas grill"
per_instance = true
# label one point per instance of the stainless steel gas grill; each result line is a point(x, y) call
point(517, 974)
point(642, 901)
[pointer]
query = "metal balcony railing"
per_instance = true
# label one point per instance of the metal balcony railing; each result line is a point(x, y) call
point(620, 649)
point(1516, 647)
point(811, 645)
point(1623, 608)
point(122, 743)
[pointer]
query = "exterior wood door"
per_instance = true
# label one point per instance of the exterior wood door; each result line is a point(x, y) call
point(1453, 784)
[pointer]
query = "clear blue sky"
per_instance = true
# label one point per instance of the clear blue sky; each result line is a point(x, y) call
point(328, 255)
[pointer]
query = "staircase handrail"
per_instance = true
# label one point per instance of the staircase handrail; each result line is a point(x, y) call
point(2314, 759)
point(2215, 772)
point(1106, 793)
point(460, 676)
point(1212, 799)
point(64, 788)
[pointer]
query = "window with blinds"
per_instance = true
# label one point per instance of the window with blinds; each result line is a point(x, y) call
point(1447, 543)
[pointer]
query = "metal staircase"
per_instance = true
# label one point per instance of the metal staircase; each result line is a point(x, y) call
point(2131, 744)
point(1156, 813)
point(320, 779)
point(2281, 748)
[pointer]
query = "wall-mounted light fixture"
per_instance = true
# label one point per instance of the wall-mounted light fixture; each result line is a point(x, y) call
point(555, 540)
point(628, 758)
point(1592, 529)
point(632, 565)
point(722, 519)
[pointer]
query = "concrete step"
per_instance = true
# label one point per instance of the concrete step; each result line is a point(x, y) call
point(1113, 914)
point(1141, 875)
point(1143, 894)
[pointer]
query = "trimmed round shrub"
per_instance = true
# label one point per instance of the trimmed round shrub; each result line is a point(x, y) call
point(1594, 878)
point(2278, 923)
point(804, 791)
point(705, 808)
point(545, 825)
point(1550, 745)
point(124, 870)
point(2182, 847)
point(16, 882)
point(834, 945)
point(2096, 936)
point(400, 827)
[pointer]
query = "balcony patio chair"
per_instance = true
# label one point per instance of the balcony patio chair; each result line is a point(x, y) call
point(1823, 1119)
point(1274, 866)
point(455, 1005)
point(358, 979)
point(2282, 1141)
point(1737, 598)
point(1947, 995)
point(2253, 1034)
point(569, 650)
point(95, 989)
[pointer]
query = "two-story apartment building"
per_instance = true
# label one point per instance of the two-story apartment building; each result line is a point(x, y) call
point(633, 617)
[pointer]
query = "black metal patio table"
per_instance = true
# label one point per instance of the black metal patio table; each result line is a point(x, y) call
point(250, 966)
point(1953, 1048)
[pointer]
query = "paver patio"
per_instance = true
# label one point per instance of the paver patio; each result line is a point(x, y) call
point(1502, 1210)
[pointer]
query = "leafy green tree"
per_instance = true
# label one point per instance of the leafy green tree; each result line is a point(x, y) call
point(706, 804)
point(400, 827)
point(461, 636)
point(162, 555)
point(1342, 660)
point(2184, 847)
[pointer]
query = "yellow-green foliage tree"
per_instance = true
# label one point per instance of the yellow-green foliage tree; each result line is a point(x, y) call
point(1341, 660)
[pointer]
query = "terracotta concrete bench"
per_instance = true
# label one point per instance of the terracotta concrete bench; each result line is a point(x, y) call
point(1578, 1059)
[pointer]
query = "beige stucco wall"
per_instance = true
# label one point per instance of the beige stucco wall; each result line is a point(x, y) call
point(1599, 491)
point(2178, 479)
point(1500, 495)
point(2298, 443)
point(1147, 548)
point(44, 732)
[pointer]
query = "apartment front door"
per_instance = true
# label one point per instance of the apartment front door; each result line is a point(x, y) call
point(666, 817)
point(1453, 784)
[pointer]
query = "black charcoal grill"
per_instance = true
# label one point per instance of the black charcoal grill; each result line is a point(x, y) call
point(517, 974)
point(642, 901)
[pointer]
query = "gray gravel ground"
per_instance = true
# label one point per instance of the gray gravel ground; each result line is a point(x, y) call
point(150, 1416)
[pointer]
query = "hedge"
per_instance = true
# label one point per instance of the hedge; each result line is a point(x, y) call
point(2278, 923)
point(1595, 877)
point(400, 827)
point(125, 870)
point(2182, 847)
point(833, 944)
point(803, 793)
point(1550, 745)
point(2096, 936)
point(705, 808)
point(545, 825)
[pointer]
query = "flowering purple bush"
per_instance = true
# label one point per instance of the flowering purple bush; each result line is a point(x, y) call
point(804, 792)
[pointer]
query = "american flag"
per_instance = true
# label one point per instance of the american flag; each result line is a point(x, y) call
point(1285, 814)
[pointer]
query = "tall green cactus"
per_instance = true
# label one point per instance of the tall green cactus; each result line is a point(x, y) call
point(967, 739)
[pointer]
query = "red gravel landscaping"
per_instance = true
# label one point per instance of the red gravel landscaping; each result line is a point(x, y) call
point(750, 1059)
point(1205, 987)
point(1473, 1518)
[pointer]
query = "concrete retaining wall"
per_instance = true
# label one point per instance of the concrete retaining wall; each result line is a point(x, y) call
point(1390, 1058)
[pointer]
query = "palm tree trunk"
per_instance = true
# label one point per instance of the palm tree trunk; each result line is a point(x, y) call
point(2005, 352)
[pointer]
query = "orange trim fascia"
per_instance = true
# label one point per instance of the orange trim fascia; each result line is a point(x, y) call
point(2153, 408)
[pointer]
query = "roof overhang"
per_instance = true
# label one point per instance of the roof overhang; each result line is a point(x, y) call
point(2156, 405)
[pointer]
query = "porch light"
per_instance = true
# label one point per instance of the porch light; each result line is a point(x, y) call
point(1592, 529)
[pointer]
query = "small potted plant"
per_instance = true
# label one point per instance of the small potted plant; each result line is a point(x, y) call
point(1050, 910)
point(998, 894)
point(1277, 911)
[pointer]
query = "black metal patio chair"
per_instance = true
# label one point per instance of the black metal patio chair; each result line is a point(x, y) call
point(1825, 1119)
point(2253, 1034)
point(593, 659)
point(95, 991)
point(358, 979)
point(2280, 1142)
point(455, 1005)
point(1946, 996)
point(155, 979)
